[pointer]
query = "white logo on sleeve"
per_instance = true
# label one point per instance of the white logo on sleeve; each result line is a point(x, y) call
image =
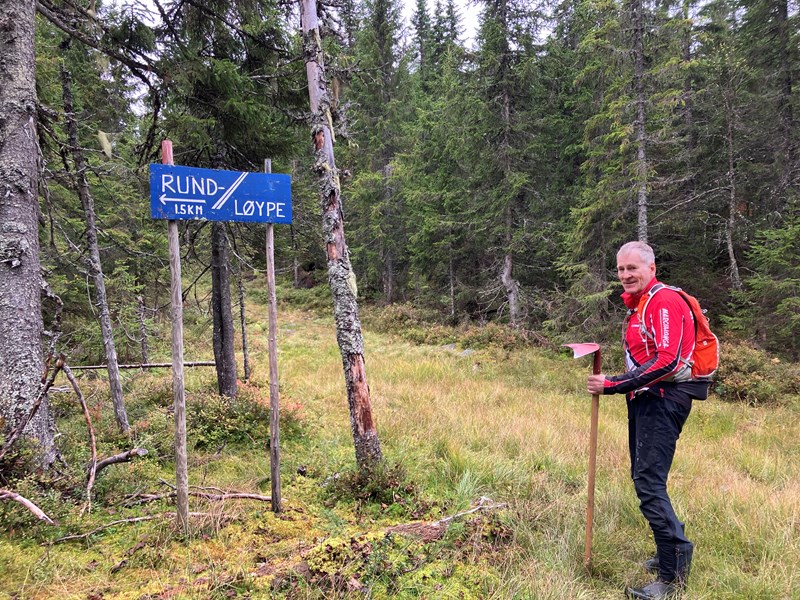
point(664, 328)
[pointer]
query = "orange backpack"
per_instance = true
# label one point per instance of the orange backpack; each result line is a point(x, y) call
point(705, 354)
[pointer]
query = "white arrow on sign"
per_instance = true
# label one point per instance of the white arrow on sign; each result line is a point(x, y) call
point(163, 198)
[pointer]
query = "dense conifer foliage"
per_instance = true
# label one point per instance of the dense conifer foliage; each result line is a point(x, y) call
point(489, 179)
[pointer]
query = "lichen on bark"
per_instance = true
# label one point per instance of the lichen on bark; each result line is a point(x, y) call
point(340, 272)
point(21, 326)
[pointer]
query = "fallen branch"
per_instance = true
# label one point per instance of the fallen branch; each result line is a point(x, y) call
point(46, 384)
point(83, 536)
point(145, 498)
point(431, 531)
point(231, 496)
point(137, 499)
point(38, 512)
point(195, 491)
point(92, 440)
point(126, 456)
point(196, 363)
point(484, 503)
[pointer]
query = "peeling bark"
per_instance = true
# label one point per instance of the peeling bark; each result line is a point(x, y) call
point(340, 273)
point(21, 327)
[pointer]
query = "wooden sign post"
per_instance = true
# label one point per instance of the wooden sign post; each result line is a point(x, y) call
point(178, 391)
point(191, 193)
point(274, 436)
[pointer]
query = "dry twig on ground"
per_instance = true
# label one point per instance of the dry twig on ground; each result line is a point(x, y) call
point(126, 456)
point(165, 515)
point(38, 512)
point(92, 440)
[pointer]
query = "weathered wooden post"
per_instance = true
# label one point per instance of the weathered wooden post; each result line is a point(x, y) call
point(178, 392)
point(274, 434)
point(190, 193)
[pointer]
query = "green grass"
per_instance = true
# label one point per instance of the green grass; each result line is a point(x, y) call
point(510, 425)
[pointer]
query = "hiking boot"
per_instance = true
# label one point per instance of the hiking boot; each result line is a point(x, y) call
point(651, 564)
point(657, 590)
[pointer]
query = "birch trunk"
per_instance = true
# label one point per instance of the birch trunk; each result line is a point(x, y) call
point(340, 273)
point(92, 258)
point(21, 361)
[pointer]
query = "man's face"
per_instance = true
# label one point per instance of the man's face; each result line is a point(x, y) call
point(634, 272)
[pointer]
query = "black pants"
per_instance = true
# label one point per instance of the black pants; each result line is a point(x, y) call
point(654, 425)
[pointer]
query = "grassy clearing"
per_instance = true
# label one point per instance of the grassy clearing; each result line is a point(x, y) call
point(508, 425)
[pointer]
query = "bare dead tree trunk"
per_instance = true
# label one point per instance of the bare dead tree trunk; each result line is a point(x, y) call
point(388, 252)
point(388, 276)
point(92, 257)
point(221, 309)
point(788, 149)
point(340, 273)
point(243, 324)
point(507, 276)
point(730, 226)
point(510, 284)
point(688, 100)
point(143, 330)
point(452, 277)
point(637, 21)
point(21, 327)
point(293, 234)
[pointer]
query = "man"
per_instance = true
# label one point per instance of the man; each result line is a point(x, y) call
point(658, 346)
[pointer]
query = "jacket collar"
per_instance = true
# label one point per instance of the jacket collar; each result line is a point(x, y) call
point(632, 300)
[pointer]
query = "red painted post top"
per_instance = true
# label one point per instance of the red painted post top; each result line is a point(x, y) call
point(166, 153)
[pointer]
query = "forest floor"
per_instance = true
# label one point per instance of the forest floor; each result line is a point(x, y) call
point(504, 431)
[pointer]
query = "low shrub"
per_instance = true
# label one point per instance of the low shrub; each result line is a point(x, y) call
point(385, 487)
point(216, 420)
point(422, 326)
point(494, 335)
point(748, 374)
point(316, 299)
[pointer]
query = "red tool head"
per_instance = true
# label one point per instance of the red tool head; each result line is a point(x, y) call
point(579, 350)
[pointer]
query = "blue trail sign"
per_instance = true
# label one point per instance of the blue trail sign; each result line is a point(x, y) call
point(186, 193)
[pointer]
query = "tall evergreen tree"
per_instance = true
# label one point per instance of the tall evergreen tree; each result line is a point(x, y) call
point(502, 172)
point(379, 94)
point(21, 325)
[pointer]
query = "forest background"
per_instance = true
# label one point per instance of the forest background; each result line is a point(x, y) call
point(490, 184)
point(486, 186)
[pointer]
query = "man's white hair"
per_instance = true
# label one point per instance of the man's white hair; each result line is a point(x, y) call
point(645, 252)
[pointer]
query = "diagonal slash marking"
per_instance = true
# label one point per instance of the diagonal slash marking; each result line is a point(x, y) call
point(224, 198)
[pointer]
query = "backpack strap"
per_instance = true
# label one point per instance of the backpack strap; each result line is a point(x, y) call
point(642, 308)
point(645, 301)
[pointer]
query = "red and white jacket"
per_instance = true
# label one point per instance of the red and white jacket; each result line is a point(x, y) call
point(657, 345)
